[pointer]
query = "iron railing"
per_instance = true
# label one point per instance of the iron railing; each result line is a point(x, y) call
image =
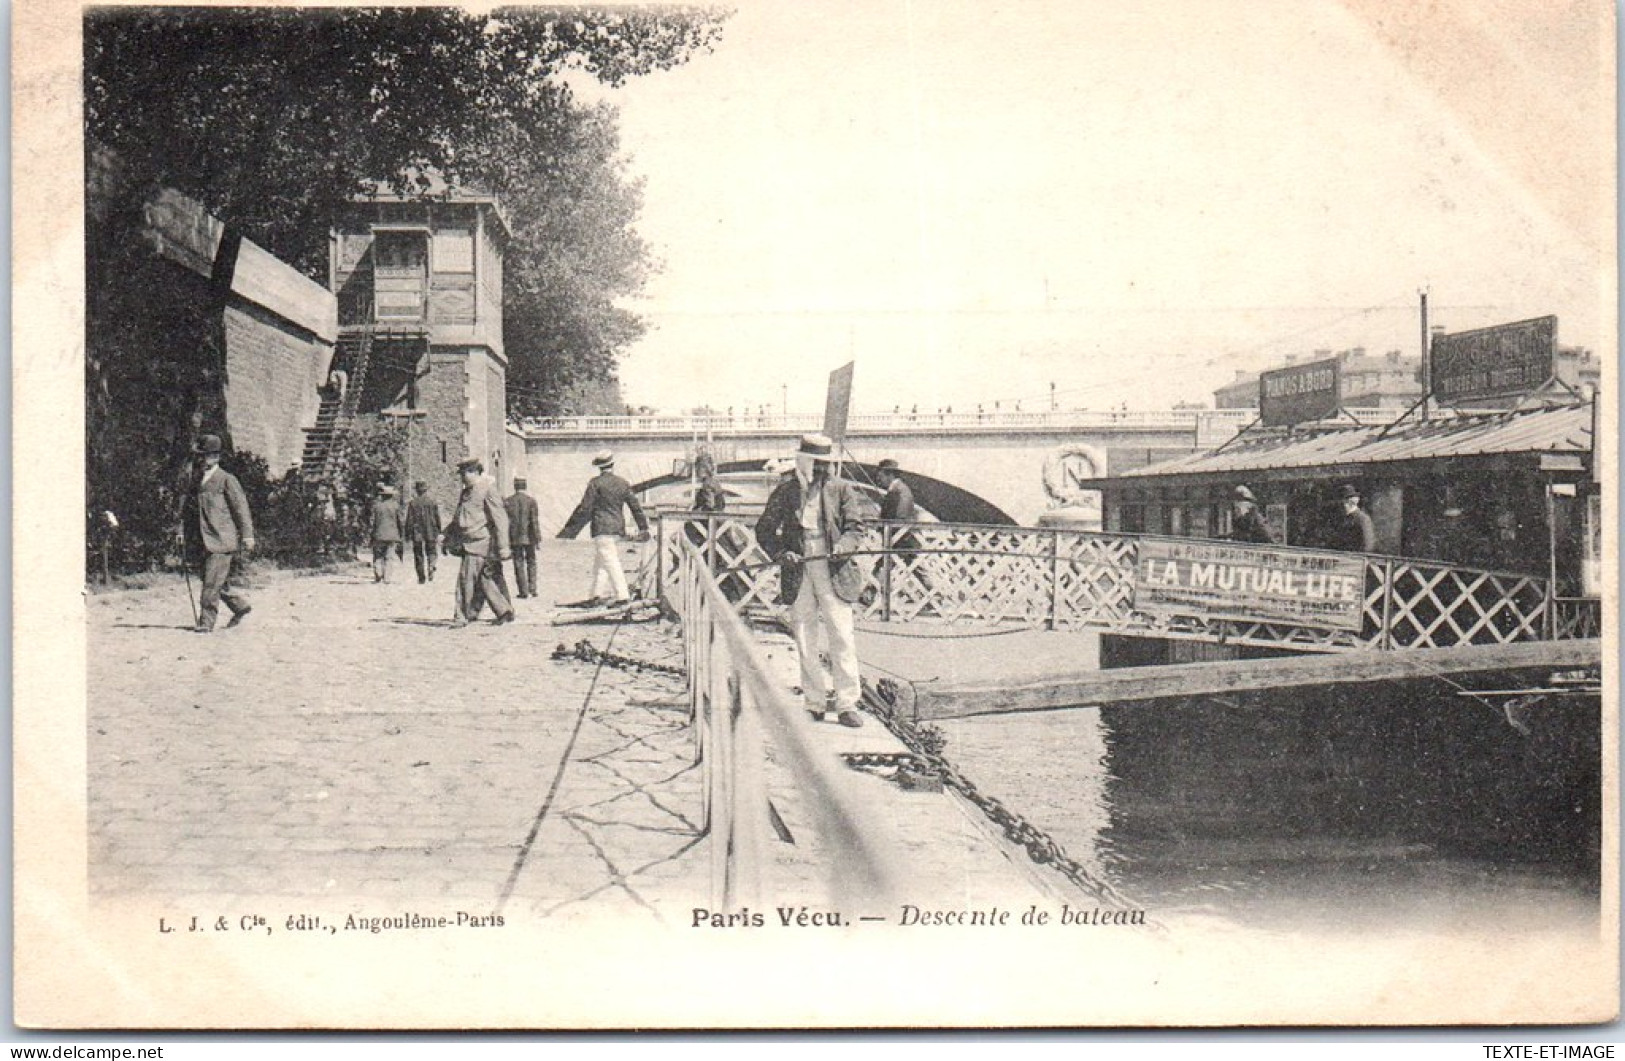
point(1070, 579)
point(738, 709)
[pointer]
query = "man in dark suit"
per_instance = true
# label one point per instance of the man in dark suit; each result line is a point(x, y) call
point(523, 534)
point(811, 525)
point(478, 532)
point(601, 506)
point(423, 531)
point(217, 527)
point(1353, 531)
point(898, 506)
point(1247, 524)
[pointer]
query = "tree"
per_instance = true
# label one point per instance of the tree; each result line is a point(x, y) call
point(274, 118)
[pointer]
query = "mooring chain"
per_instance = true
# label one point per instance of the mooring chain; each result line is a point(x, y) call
point(586, 652)
point(925, 758)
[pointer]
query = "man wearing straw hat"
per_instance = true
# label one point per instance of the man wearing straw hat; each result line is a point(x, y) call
point(216, 525)
point(811, 525)
point(607, 494)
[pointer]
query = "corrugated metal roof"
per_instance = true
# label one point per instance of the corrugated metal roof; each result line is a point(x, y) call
point(1548, 430)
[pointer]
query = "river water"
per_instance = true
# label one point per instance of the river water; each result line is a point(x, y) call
point(1398, 805)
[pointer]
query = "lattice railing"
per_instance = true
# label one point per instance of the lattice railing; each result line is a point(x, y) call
point(1066, 579)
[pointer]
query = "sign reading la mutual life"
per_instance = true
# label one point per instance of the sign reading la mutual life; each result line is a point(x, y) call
point(1220, 580)
point(1496, 362)
point(1300, 393)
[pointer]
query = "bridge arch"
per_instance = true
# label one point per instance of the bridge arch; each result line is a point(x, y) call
point(945, 501)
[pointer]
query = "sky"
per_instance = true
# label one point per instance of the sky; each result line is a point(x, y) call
point(1134, 202)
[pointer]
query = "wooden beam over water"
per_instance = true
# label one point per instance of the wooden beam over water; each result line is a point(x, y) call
point(1146, 685)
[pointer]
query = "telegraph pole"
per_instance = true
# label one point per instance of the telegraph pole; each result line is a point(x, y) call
point(1427, 374)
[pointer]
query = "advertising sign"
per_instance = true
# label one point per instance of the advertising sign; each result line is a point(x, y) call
point(1300, 393)
point(838, 402)
point(1221, 580)
point(1498, 362)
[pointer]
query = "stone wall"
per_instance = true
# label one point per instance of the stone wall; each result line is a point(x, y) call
point(272, 372)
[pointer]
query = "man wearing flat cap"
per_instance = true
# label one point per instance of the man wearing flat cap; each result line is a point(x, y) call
point(478, 532)
point(423, 530)
point(1247, 524)
point(388, 530)
point(607, 494)
point(217, 527)
point(811, 525)
point(524, 532)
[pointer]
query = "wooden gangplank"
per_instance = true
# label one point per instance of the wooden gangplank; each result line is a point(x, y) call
point(941, 699)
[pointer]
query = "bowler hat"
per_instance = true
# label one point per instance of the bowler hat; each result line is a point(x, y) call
point(472, 462)
point(888, 465)
point(420, 486)
point(519, 484)
point(605, 459)
point(818, 447)
point(207, 444)
point(1241, 493)
point(1348, 490)
point(386, 490)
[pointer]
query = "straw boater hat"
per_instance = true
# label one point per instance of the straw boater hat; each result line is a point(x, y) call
point(818, 447)
point(1241, 493)
point(605, 459)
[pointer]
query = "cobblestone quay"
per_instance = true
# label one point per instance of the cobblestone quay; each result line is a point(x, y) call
point(346, 743)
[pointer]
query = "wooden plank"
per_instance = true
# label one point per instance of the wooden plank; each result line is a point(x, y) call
point(1127, 685)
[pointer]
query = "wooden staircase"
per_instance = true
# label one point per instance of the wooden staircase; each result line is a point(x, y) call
point(327, 441)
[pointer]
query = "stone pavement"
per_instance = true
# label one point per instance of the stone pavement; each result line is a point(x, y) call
point(346, 743)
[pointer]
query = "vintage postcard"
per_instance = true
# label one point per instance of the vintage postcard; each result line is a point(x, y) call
point(849, 515)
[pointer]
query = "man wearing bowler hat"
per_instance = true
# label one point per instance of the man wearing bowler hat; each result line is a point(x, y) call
point(524, 532)
point(217, 526)
point(607, 494)
point(388, 528)
point(478, 532)
point(1247, 524)
point(811, 525)
point(1353, 531)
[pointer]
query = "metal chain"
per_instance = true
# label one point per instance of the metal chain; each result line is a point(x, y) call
point(924, 757)
point(585, 652)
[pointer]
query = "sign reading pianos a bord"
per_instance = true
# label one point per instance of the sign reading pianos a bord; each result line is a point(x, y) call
point(1220, 580)
point(1300, 393)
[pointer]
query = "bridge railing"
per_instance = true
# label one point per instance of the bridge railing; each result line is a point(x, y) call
point(737, 710)
point(1069, 579)
point(1209, 422)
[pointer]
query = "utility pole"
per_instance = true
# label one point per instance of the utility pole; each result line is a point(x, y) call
point(1427, 372)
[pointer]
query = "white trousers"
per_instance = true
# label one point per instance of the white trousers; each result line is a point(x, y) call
point(818, 606)
point(608, 580)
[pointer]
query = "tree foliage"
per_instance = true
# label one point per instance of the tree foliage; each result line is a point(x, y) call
point(273, 118)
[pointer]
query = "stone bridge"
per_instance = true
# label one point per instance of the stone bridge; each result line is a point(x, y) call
point(1005, 467)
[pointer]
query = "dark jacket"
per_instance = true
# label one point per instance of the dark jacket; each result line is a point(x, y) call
point(778, 531)
point(422, 519)
point(710, 497)
point(524, 519)
point(1354, 533)
point(216, 516)
point(1251, 526)
point(601, 505)
point(899, 502)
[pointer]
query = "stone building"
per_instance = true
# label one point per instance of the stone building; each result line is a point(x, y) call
point(419, 288)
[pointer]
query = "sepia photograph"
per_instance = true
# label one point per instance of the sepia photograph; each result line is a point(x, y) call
point(874, 514)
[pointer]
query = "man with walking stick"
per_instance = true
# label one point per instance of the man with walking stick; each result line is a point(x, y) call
point(216, 527)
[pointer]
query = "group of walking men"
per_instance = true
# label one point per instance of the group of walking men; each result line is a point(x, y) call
point(486, 531)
